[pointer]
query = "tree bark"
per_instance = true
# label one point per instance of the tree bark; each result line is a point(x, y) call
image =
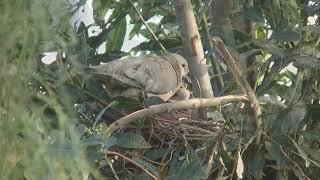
point(217, 81)
point(227, 15)
point(221, 24)
point(193, 49)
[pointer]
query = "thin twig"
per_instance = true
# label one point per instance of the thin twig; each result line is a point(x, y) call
point(113, 171)
point(312, 161)
point(148, 27)
point(135, 163)
point(232, 63)
point(166, 107)
point(286, 155)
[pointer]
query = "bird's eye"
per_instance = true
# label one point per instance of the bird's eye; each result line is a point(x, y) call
point(183, 65)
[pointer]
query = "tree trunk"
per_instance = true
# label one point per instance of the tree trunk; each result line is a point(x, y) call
point(221, 25)
point(216, 81)
point(193, 51)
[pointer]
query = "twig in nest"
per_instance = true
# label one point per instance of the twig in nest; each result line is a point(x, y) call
point(135, 163)
point(166, 107)
point(243, 83)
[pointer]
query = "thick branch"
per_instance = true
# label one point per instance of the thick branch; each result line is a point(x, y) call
point(193, 49)
point(214, 62)
point(166, 107)
point(232, 63)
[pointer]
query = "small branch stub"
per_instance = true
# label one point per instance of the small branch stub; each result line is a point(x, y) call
point(195, 45)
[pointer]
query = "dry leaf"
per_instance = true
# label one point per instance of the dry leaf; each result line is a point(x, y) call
point(240, 166)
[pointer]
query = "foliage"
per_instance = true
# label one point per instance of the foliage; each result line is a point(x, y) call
point(53, 117)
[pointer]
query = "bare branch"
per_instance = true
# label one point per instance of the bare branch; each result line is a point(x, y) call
point(166, 107)
point(193, 49)
point(135, 163)
point(232, 63)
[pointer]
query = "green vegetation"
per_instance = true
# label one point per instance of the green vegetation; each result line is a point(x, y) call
point(53, 118)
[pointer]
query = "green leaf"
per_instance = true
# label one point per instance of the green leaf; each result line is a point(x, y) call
point(276, 154)
point(146, 33)
point(289, 120)
point(312, 152)
point(301, 153)
point(191, 168)
point(255, 14)
point(135, 30)
point(100, 8)
point(255, 162)
point(102, 112)
point(216, 116)
point(285, 36)
point(116, 36)
point(92, 141)
point(312, 135)
point(131, 140)
point(272, 48)
point(150, 167)
point(154, 154)
point(203, 10)
point(111, 141)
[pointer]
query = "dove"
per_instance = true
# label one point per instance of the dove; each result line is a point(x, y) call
point(146, 76)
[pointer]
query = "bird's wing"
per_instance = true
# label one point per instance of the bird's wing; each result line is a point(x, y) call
point(112, 73)
point(154, 74)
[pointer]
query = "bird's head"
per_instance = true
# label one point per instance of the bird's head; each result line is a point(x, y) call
point(182, 63)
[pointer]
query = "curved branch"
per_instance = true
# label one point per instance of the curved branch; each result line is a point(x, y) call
point(135, 163)
point(232, 63)
point(166, 107)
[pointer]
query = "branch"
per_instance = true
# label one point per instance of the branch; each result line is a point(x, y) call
point(214, 62)
point(135, 163)
point(193, 49)
point(232, 63)
point(166, 107)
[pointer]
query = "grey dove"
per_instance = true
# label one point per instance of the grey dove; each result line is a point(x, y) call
point(145, 76)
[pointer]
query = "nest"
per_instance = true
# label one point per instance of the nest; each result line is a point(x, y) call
point(183, 125)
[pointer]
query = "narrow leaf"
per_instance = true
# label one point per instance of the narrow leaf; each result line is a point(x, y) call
point(286, 36)
point(301, 152)
point(116, 37)
point(102, 112)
